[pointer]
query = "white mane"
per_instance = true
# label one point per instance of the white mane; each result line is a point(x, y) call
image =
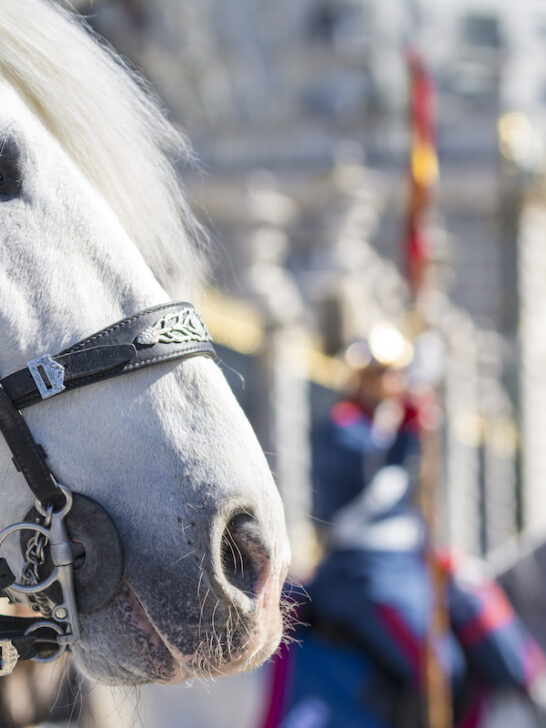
point(110, 125)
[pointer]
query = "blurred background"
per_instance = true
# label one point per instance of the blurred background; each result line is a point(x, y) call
point(364, 166)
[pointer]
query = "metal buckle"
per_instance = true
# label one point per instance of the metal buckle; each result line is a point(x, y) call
point(64, 614)
point(8, 657)
point(48, 375)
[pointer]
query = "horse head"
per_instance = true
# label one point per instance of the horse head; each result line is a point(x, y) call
point(93, 229)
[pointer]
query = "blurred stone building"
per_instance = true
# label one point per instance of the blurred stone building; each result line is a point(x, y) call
point(298, 114)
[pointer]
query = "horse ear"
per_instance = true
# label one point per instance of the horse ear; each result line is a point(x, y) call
point(11, 173)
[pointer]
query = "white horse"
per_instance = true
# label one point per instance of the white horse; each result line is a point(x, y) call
point(92, 229)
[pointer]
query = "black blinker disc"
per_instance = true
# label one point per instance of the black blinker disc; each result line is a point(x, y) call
point(97, 547)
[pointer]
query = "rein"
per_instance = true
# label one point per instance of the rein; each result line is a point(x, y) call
point(49, 582)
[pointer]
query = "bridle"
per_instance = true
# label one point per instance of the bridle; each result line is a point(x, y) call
point(65, 529)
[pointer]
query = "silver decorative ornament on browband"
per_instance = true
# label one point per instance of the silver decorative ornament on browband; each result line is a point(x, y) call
point(176, 328)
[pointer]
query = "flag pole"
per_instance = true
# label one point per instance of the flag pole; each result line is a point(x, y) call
point(423, 175)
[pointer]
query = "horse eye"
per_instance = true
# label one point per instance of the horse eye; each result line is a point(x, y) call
point(10, 167)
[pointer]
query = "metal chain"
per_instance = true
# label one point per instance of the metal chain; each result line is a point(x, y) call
point(35, 558)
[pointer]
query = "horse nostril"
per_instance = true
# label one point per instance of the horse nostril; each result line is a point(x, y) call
point(245, 558)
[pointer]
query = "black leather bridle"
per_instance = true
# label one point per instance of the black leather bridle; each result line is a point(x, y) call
point(51, 543)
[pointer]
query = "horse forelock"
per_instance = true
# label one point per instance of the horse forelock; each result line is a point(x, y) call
point(112, 127)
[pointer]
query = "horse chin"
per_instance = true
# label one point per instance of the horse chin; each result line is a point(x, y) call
point(256, 637)
point(139, 620)
point(260, 639)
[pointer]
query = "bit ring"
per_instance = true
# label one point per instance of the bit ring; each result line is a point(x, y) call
point(56, 628)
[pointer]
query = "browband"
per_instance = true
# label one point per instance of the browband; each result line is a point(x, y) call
point(161, 333)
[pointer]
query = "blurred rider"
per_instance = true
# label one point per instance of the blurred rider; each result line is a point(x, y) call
point(362, 660)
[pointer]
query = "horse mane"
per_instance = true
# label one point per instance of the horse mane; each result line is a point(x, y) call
point(107, 120)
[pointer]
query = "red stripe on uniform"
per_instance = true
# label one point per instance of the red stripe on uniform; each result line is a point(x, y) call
point(495, 614)
point(405, 640)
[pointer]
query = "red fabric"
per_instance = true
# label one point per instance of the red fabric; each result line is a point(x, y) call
point(278, 688)
point(496, 613)
point(423, 113)
point(402, 635)
point(423, 135)
point(420, 413)
point(346, 413)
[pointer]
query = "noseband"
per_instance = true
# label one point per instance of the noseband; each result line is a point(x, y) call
point(49, 582)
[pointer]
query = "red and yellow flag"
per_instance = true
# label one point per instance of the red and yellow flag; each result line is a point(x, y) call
point(423, 167)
